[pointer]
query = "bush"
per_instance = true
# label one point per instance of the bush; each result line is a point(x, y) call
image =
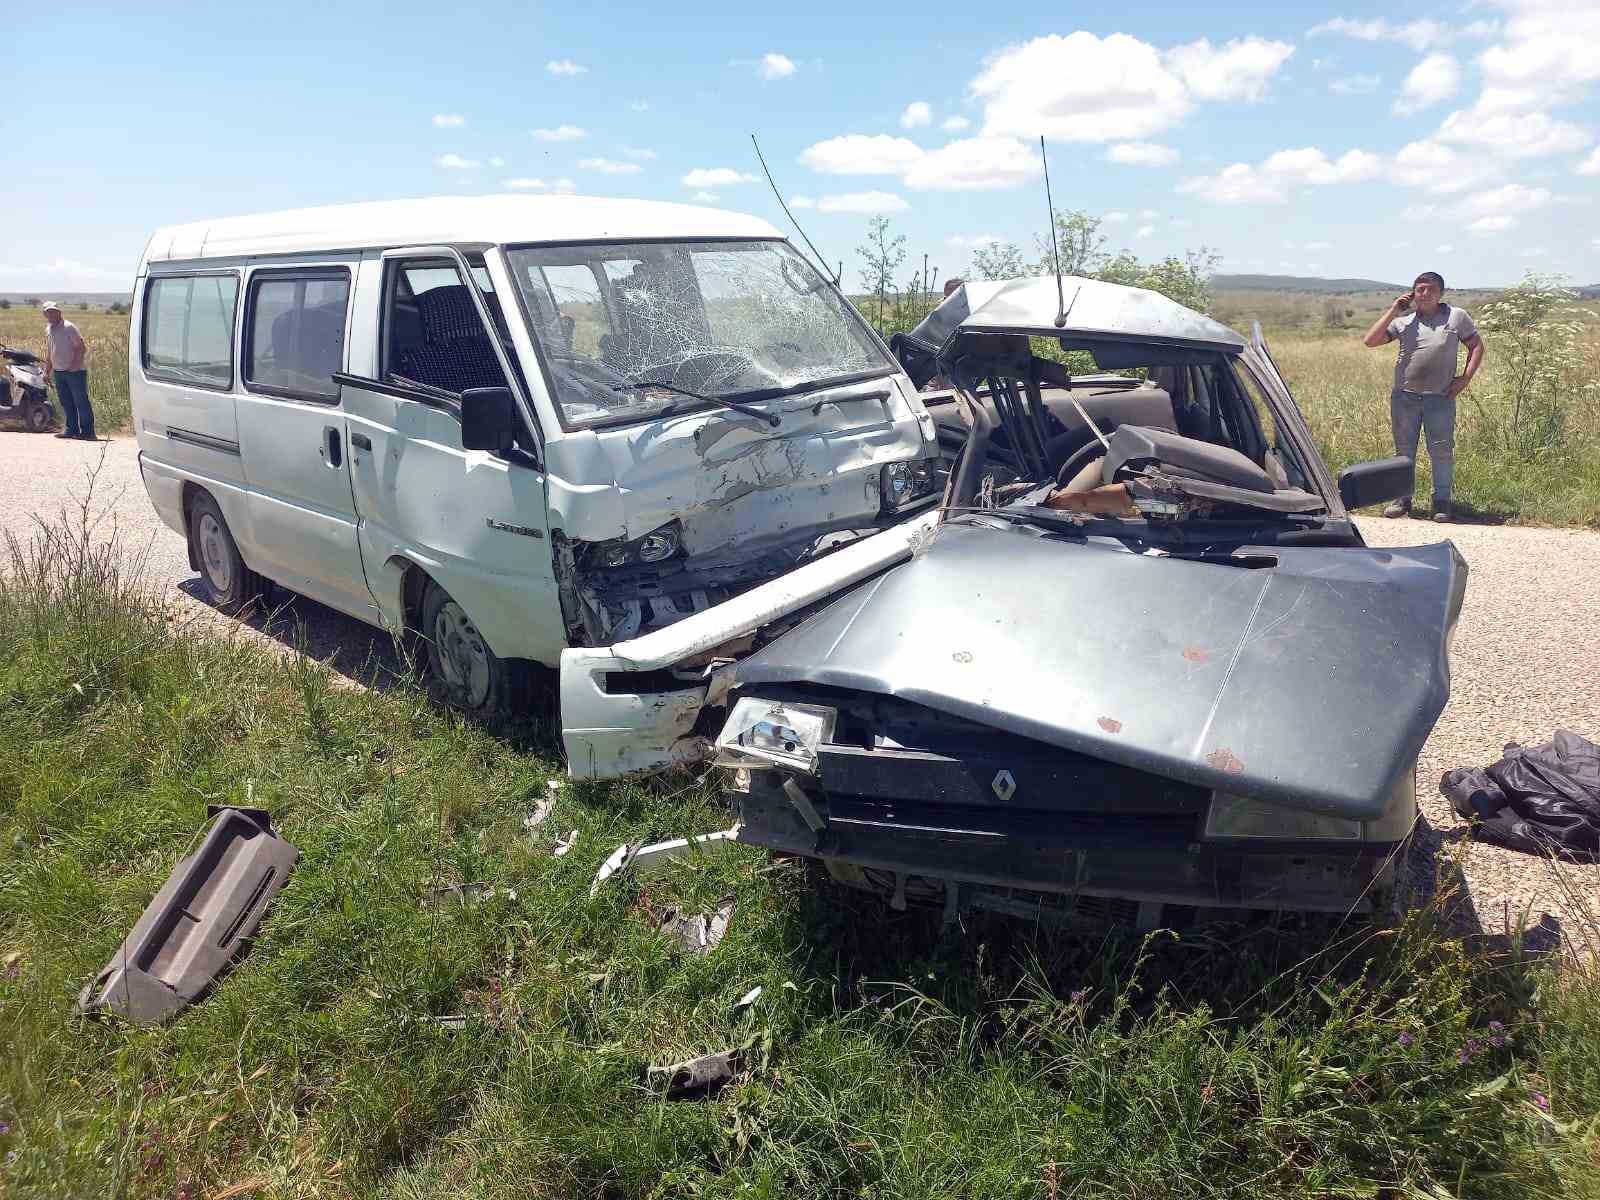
point(1536, 334)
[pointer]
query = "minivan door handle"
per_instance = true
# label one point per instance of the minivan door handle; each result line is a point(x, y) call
point(361, 441)
point(332, 449)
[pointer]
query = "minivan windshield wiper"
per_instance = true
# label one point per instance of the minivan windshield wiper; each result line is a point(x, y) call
point(748, 409)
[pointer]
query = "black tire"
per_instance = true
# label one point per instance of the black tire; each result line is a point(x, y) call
point(463, 672)
point(229, 584)
point(37, 416)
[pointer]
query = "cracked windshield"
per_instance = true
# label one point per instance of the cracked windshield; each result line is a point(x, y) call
point(634, 331)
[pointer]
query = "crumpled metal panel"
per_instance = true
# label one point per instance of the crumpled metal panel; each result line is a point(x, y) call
point(1312, 684)
point(1094, 308)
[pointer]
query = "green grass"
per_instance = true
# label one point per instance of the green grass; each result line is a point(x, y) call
point(882, 1059)
point(106, 334)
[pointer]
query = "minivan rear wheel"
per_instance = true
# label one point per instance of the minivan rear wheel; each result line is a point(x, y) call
point(465, 673)
point(228, 583)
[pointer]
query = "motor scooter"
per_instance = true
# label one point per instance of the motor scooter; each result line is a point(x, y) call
point(23, 395)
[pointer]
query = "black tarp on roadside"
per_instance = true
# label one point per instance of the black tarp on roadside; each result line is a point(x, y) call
point(1543, 799)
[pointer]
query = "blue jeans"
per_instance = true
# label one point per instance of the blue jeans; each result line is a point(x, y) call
point(1411, 413)
point(72, 389)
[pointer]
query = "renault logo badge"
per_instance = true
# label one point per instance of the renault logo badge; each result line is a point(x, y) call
point(1004, 786)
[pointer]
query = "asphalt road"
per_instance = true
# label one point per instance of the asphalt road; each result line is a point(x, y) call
point(1523, 660)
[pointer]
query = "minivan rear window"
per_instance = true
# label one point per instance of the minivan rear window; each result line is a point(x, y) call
point(188, 329)
point(294, 339)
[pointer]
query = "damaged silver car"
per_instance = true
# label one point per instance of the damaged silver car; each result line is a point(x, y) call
point(1139, 656)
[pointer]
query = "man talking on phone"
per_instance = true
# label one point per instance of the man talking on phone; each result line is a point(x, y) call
point(1430, 333)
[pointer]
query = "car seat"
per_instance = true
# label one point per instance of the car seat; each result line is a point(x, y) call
point(455, 353)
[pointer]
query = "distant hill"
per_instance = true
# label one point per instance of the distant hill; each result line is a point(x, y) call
point(70, 299)
point(1592, 292)
point(1300, 283)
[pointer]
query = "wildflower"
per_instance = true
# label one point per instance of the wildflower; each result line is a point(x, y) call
point(1405, 1040)
point(5, 1128)
point(1079, 996)
point(1541, 1101)
point(1497, 1035)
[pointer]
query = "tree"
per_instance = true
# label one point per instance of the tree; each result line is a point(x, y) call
point(1078, 241)
point(881, 256)
point(997, 260)
point(4, 303)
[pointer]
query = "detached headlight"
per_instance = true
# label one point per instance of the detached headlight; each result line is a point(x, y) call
point(903, 483)
point(771, 733)
point(1241, 817)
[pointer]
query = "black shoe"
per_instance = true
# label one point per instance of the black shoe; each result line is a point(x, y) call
point(87, 437)
point(64, 435)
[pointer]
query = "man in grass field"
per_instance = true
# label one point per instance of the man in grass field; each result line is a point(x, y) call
point(66, 362)
point(1430, 333)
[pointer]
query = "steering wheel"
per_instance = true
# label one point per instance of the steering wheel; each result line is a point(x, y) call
point(699, 369)
point(1077, 460)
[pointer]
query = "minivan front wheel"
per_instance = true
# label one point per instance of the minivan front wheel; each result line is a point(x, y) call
point(228, 583)
point(465, 672)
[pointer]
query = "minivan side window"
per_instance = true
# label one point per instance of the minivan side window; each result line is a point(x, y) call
point(188, 329)
point(433, 334)
point(294, 332)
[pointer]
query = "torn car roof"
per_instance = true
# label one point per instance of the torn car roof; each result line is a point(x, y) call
point(1095, 310)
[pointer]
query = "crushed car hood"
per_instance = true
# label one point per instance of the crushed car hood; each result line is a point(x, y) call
point(1311, 683)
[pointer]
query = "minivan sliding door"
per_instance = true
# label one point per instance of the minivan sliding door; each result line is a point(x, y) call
point(474, 521)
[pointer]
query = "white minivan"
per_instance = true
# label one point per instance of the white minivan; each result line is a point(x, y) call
point(628, 440)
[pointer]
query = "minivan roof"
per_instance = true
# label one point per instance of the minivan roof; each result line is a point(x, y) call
point(449, 219)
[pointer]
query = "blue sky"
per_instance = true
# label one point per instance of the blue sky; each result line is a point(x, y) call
point(1354, 139)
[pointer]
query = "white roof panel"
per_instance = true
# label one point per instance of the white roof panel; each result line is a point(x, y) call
point(449, 219)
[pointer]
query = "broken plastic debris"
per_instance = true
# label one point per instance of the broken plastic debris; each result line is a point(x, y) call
point(616, 862)
point(536, 818)
point(452, 1022)
point(699, 933)
point(565, 844)
point(747, 1000)
point(696, 1077)
point(201, 919)
point(465, 894)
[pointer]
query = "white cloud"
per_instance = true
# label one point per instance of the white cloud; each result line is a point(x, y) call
point(1144, 231)
point(561, 133)
point(639, 155)
point(955, 124)
point(525, 183)
point(1494, 224)
point(1355, 85)
point(640, 106)
point(1419, 35)
point(1513, 135)
point(497, 161)
point(1511, 199)
point(565, 67)
point(973, 165)
point(916, 115)
point(1435, 78)
point(1080, 88)
point(704, 197)
point(1148, 214)
point(1272, 180)
point(710, 177)
point(609, 166)
point(1141, 154)
point(565, 185)
point(1239, 70)
point(1439, 168)
point(957, 242)
point(448, 120)
point(862, 202)
point(1445, 248)
point(63, 274)
point(1590, 165)
point(1318, 246)
point(802, 202)
point(1115, 218)
point(454, 162)
point(862, 154)
point(1545, 53)
point(775, 66)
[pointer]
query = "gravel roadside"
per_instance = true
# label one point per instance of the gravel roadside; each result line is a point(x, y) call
point(1523, 660)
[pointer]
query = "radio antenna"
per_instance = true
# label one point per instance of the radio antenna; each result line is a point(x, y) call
point(821, 270)
point(1055, 251)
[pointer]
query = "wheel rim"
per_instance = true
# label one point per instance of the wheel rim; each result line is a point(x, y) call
point(463, 658)
point(214, 554)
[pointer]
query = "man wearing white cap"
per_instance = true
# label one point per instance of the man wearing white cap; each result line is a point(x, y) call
point(66, 360)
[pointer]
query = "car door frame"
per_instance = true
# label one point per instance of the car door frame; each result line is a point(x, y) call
point(1291, 421)
point(495, 601)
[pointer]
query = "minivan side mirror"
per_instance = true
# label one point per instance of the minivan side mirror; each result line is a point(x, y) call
point(1378, 481)
point(488, 419)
